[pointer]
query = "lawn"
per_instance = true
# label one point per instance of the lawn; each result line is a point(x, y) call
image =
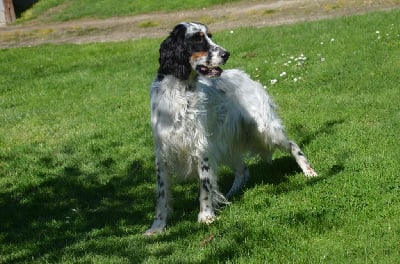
point(77, 181)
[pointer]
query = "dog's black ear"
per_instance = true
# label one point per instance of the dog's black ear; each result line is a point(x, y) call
point(174, 55)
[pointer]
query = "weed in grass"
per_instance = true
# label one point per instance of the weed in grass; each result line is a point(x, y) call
point(269, 12)
point(148, 24)
point(264, 12)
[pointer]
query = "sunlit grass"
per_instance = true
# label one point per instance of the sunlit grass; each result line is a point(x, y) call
point(76, 152)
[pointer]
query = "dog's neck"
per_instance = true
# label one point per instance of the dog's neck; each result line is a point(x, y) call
point(192, 81)
point(189, 84)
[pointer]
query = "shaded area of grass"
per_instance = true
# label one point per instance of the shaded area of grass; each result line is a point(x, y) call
point(62, 209)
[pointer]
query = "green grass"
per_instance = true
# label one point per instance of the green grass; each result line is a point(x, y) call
point(76, 159)
point(63, 10)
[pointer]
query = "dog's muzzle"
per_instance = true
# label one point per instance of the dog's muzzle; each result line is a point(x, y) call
point(213, 71)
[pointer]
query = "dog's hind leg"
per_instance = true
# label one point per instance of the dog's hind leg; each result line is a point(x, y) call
point(163, 200)
point(242, 175)
point(301, 160)
point(280, 140)
point(297, 154)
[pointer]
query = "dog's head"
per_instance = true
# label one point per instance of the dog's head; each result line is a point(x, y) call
point(188, 49)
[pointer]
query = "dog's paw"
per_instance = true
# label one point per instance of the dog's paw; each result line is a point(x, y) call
point(156, 228)
point(154, 231)
point(310, 172)
point(206, 218)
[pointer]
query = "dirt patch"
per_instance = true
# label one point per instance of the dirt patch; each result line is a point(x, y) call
point(220, 17)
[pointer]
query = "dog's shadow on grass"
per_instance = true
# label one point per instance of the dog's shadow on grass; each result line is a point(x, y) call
point(274, 173)
point(74, 206)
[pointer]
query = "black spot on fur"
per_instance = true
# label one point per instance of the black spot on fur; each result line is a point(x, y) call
point(161, 194)
point(204, 167)
point(206, 184)
point(159, 217)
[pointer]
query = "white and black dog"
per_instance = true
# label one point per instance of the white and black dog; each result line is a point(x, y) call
point(203, 117)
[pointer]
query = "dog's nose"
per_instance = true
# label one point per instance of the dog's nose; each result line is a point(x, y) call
point(225, 54)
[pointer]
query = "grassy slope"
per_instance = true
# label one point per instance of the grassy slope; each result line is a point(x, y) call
point(63, 10)
point(76, 162)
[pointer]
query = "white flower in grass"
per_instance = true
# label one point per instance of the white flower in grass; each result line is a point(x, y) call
point(332, 39)
point(377, 32)
point(296, 79)
point(323, 59)
point(273, 81)
point(283, 74)
point(300, 60)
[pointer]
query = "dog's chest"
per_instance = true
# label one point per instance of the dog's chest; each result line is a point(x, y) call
point(176, 112)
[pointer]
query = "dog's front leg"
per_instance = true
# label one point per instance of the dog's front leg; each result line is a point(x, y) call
point(207, 190)
point(163, 200)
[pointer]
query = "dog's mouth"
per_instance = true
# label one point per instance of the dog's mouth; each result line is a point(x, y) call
point(211, 71)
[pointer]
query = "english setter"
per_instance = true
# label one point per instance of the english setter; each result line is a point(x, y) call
point(203, 117)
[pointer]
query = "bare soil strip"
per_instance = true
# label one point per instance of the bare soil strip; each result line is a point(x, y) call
point(220, 17)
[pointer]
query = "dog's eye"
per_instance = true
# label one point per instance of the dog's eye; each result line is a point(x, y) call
point(198, 37)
